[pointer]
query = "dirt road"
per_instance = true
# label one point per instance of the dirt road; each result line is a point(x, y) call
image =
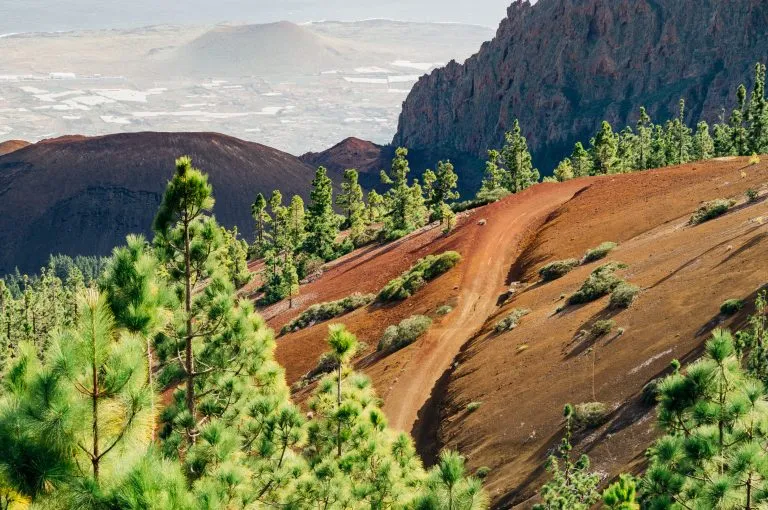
point(495, 247)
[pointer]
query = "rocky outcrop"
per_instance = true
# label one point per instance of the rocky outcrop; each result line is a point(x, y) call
point(82, 195)
point(562, 66)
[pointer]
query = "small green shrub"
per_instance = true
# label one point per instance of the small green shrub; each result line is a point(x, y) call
point(751, 195)
point(510, 322)
point(422, 271)
point(405, 333)
point(650, 393)
point(444, 310)
point(731, 306)
point(482, 472)
point(601, 328)
point(711, 210)
point(589, 415)
point(600, 282)
point(754, 159)
point(473, 406)
point(557, 269)
point(623, 295)
point(325, 311)
point(484, 197)
point(600, 252)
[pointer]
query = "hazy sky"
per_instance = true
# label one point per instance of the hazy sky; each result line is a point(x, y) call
point(53, 15)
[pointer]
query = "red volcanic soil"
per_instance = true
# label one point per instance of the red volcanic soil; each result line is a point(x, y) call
point(525, 376)
point(11, 146)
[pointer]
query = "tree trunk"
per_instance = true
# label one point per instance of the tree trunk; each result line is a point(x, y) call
point(190, 365)
point(338, 400)
point(95, 412)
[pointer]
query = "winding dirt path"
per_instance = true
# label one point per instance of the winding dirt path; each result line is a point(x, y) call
point(509, 225)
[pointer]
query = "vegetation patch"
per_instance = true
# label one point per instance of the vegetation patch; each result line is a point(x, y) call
point(731, 306)
point(511, 321)
point(623, 295)
point(325, 311)
point(602, 328)
point(444, 310)
point(405, 333)
point(557, 269)
point(711, 210)
point(426, 269)
point(473, 406)
point(752, 195)
point(600, 252)
point(602, 281)
point(589, 415)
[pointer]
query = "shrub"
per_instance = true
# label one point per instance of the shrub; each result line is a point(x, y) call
point(601, 328)
point(482, 472)
point(711, 210)
point(600, 252)
point(422, 271)
point(405, 333)
point(325, 311)
point(650, 393)
point(484, 197)
point(444, 310)
point(751, 195)
point(510, 322)
point(623, 295)
point(600, 282)
point(731, 306)
point(473, 406)
point(557, 269)
point(754, 159)
point(589, 415)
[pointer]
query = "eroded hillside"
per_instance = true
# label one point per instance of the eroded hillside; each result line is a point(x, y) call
point(522, 378)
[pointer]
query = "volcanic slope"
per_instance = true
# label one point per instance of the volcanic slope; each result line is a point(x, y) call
point(58, 194)
point(524, 377)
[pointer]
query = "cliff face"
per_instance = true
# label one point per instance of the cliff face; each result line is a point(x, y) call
point(562, 66)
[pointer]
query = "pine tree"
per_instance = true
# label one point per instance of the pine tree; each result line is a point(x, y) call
point(234, 257)
point(82, 418)
point(374, 211)
point(581, 161)
point(712, 455)
point(658, 157)
point(564, 170)
point(679, 135)
point(494, 177)
point(626, 154)
point(439, 189)
point(757, 114)
point(604, 149)
point(406, 211)
point(186, 240)
point(517, 161)
point(262, 219)
point(573, 486)
point(448, 487)
point(296, 222)
point(322, 223)
point(739, 138)
point(350, 200)
point(644, 137)
point(703, 147)
point(621, 495)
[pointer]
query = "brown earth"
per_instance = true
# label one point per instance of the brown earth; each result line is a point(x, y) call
point(11, 145)
point(361, 155)
point(524, 377)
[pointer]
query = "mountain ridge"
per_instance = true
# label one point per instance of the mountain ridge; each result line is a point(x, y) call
point(563, 66)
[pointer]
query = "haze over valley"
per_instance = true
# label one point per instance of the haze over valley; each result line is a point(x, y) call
point(295, 87)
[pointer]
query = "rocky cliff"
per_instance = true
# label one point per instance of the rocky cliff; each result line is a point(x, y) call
point(562, 66)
